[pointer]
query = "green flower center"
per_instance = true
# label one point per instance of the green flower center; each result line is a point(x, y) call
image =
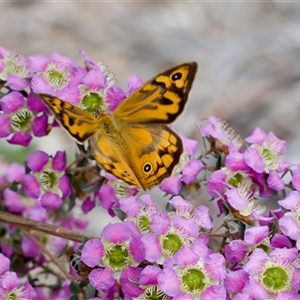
point(270, 158)
point(193, 280)
point(57, 76)
point(14, 66)
point(22, 119)
point(144, 224)
point(172, 243)
point(154, 293)
point(92, 102)
point(48, 180)
point(267, 154)
point(117, 257)
point(236, 179)
point(275, 279)
point(12, 296)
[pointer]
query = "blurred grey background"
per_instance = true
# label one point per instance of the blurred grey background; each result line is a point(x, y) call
point(248, 54)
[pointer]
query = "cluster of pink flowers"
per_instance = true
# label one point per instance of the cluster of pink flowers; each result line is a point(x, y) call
point(151, 253)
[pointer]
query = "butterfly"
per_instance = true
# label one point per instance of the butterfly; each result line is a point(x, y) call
point(134, 142)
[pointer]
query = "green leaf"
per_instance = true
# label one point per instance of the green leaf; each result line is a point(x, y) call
point(120, 214)
point(71, 202)
point(90, 292)
point(74, 288)
point(85, 239)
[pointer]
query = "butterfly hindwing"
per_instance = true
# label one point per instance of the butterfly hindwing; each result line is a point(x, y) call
point(153, 161)
point(144, 158)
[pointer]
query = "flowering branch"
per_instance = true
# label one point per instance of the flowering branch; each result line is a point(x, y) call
point(56, 261)
point(27, 224)
point(176, 253)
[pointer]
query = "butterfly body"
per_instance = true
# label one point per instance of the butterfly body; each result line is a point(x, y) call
point(134, 143)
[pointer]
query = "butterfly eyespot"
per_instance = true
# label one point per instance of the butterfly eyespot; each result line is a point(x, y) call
point(147, 167)
point(176, 76)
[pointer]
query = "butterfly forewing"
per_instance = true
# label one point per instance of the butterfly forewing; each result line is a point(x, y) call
point(78, 123)
point(161, 99)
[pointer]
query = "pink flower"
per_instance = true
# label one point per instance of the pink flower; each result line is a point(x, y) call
point(235, 251)
point(92, 252)
point(4, 264)
point(266, 152)
point(171, 185)
point(235, 281)
point(29, 248)
point(101, 279)
point(296, 178)
point(55, 75)
point(114, 97)
point(47, 180)
point(151, 246)
point(191, 171)
point(13, 69)
point(289, 224)
point(20, 120)
point(133, 83)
